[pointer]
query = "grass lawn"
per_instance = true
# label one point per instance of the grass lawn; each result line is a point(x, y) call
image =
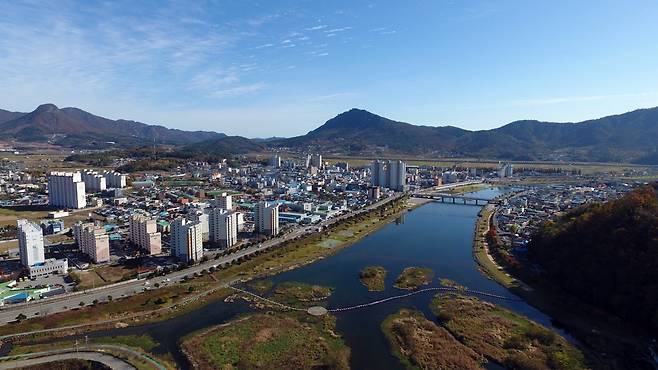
point(422, 344)
point(503, 336)
point(269, 341)
point(373, 278)
point(412, 278)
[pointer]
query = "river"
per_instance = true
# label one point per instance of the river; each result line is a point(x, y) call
point(435, 235)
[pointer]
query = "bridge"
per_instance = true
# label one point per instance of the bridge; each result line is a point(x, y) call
point(318, 310)
point(453, 198)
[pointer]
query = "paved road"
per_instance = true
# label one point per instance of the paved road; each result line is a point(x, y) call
point(52, 356)
point(71, 301)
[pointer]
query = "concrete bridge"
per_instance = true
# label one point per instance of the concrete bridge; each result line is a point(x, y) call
point(453, 198)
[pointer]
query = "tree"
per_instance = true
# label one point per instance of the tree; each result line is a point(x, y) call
point(20, 317)
point(81, 304)
point(109, 298)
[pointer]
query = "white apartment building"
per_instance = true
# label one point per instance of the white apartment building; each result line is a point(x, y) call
point(266, 218)
point(223, 201)
point(201, 216)
point(316, 161)
point(389, 174)
point(115, 180)
point(67, 190)
point(186, 239)
point(143, 232)
point(93, 181)
point(93, 241)
point(30, 243)
point(223, 227)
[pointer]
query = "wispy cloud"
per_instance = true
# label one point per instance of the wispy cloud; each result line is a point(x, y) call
point(316, 28)
point(330, 96)
point(238, 91)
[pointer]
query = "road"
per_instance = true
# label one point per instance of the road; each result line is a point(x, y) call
point(72, 301)
point(52, 356)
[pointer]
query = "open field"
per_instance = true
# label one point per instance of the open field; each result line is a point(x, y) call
point(269, 341)
point(7, 245)
point(503, 336)
point(421, 344)
point(9, 216)
point(586, 168)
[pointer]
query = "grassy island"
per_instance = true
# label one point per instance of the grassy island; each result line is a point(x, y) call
point(421, 344)
point(373, 278)
point(269, 341)
point(414, 277)
point(296, 292)
point(504, 337)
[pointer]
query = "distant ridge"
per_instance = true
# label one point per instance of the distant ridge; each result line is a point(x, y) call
point(77, 128)
point(628, 137)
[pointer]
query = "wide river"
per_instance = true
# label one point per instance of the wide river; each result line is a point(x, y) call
point(435, 235)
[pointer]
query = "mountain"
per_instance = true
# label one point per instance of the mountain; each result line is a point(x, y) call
point(358, 132)
point(76, 128)
point(631, 136)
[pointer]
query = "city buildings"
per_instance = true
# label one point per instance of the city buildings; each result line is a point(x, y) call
point(224, 201)
point(67, 190)
point(316, 161)
point(506, 170)
point(50, 227)
point(266, 218)
point(30, 243)
point(94, 181)
point(275, 161)
point(49, 266)
point(93, 241)
point(186, 239)
point(223, 227)
point(115, 180)
point(389, 174)
point(201, 216)
point(143, 232)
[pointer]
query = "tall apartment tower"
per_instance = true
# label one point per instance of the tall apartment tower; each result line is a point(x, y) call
point(224, 201)
point(316, 161)
point(66, 189)
point(92, 240)
point(144, 233)
point(187, 239)
point(389, 174)
point(275, 161)
point(266, 218)
point(115, 180)
point(201, 216)
point(30, 243)
point(223, 227)
point(94, 181)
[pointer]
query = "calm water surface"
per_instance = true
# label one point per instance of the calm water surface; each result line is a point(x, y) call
point(436, 235)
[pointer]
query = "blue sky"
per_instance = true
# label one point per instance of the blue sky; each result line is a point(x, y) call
point(266, 68)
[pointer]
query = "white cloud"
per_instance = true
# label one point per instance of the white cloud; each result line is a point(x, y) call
point(315, 28)
point(238, 91)
point(331, 96)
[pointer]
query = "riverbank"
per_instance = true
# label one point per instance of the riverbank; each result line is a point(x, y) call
point(482, 254)
point(167, 302)
point(601, 337)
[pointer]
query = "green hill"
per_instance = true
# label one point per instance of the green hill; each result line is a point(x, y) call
point(607, 254)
